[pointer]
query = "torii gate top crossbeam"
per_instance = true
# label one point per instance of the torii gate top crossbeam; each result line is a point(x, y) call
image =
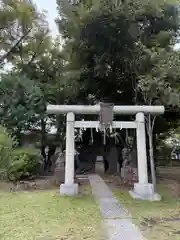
point(95, 109)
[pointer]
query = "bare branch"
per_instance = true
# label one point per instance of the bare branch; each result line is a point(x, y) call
point(35, 53)
point(153, 121)
point(14, 47)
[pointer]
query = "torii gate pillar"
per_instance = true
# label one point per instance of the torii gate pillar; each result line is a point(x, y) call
point(142, 190)
point(69, 187)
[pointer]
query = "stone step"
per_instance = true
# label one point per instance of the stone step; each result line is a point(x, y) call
point(79, 176)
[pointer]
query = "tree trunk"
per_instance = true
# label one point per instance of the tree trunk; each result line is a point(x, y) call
point(43, 132)
point(59, 125)
point(59, 133)
point(19, 137)
point(151, 152)
point(43, 137)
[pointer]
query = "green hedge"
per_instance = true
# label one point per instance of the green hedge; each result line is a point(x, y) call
point(16, 163)
point(25, 162)
point(7, 143)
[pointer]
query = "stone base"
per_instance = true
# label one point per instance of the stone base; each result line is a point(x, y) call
point(69, 190)
point(144, 192)
point(99, 167)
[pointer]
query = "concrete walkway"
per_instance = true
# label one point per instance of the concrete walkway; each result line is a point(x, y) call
point(118, 221)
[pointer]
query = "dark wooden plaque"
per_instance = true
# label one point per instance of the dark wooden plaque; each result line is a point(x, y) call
point(106, 114)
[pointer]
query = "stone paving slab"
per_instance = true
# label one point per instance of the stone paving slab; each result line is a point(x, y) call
point(118, 220)
point(102, 193)
point(111, 208)
point(109, 205)
point(122, 229)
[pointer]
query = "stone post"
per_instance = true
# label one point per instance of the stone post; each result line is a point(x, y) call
point(142, 190)
point(69, 187)
point(141, 149)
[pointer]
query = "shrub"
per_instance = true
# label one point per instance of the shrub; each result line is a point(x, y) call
point(16, 163)
point(7, 142)
point(25, 162)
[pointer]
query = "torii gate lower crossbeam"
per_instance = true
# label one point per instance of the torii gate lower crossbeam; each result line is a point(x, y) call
point(142, 190)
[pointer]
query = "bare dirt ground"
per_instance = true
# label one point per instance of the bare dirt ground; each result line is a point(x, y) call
point(45, 182)
point(165, 175)
point(168, 176)
point(169, 173)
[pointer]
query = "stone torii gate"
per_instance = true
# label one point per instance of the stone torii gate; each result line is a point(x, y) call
point(142, 189)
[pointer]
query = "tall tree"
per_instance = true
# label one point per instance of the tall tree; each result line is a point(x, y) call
point(48, 72)
point(115, 46)
point(105, 39)
point(21, 103)
point(159, 87)
point(21, 26)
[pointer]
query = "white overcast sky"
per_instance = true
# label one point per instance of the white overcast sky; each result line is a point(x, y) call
point(50, 7)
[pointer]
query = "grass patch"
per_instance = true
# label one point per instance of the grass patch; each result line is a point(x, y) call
point(158, 220)
point(44, 215)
